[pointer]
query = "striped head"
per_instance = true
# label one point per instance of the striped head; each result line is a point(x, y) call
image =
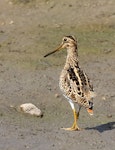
point(67, 42)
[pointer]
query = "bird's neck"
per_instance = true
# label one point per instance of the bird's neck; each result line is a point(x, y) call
point(72, 58)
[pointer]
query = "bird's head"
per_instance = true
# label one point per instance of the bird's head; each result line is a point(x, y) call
point(67, 42)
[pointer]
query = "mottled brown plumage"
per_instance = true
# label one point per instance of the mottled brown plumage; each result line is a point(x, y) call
point(74, 83)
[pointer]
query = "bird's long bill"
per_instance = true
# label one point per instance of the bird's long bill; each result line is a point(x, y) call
point(60, 47)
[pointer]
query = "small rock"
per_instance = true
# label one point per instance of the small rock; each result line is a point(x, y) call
point(2, 23)
point(11, 22)
point(106, 51)
point(109, 115)
point(26, 146)
point(10, 3)
point(31, 109)
point(56, 95)
point(103, 98)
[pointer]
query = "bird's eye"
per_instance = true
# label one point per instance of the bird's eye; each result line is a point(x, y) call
point(65, 40)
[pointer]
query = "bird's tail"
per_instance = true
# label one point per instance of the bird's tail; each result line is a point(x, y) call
point(90, 109)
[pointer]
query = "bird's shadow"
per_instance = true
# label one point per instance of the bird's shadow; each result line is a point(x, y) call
point(103, 127)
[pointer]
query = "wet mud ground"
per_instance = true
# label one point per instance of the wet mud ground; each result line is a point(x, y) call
point(25, 76)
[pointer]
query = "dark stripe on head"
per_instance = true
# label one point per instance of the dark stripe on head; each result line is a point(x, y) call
point(71, 37)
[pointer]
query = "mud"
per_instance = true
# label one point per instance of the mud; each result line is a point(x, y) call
point(30, 29)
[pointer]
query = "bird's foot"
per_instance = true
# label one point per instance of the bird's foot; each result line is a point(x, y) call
point(73, 128)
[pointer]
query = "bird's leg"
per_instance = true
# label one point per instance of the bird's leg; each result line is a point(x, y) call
point(76, 116)
point(78, 111)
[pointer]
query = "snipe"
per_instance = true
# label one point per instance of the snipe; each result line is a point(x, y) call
point(74, 83)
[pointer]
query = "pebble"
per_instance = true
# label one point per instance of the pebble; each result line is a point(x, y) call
point(31, 109)
point(109, 115)
point(11, 22)
point(104, 98)
point(56, 95)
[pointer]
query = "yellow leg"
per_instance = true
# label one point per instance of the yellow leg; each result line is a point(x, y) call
point(74, 126)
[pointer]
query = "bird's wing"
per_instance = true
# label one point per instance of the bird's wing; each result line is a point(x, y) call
point(79, 84)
